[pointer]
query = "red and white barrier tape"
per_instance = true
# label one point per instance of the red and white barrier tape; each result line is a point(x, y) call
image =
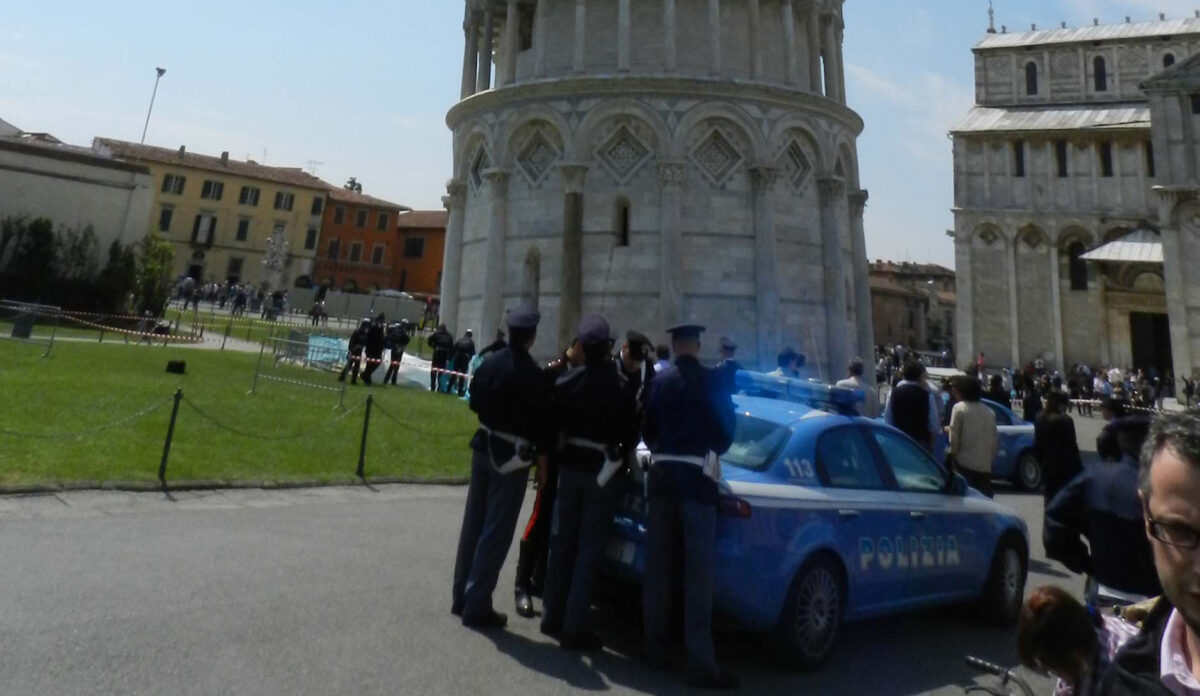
point(128, 332)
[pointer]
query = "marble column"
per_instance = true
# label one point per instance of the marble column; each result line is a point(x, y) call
point(471, 53)
point(756, 64)
point(813, 25)
point(485, 55)
point(766, 265)
point(789, 42)
point(455, 201)
point(1013, 326)
point(862, 285)
point(964, 315)
point(714, 37)
point(669, 35)
point(493, 271)
point(624, 32)
point(539, 40)
point(1056, 307)
point(838, 60)
point(671, 177)
point(832, 77)
point(512, 39)
point(577, 63)
point(833, 200)
point(1174, 276)
point(570, 308)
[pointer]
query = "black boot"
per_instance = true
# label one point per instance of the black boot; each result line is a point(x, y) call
point(523, 594)
point(524, 603)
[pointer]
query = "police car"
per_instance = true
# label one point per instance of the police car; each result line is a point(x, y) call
point(827, 518)
point(1015, 459)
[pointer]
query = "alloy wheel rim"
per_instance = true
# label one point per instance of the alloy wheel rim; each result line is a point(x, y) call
point(1010, 576)
point(817, 611)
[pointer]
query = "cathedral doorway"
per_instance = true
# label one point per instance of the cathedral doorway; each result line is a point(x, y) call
point(1150, 338)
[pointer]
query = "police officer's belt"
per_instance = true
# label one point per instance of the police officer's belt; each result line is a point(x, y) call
point(681, 458)
point(611, 466)
point(520, 445)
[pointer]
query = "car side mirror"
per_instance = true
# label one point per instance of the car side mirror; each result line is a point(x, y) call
point(957, 485)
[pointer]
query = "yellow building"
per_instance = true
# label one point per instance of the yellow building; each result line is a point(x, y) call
point(219, 213)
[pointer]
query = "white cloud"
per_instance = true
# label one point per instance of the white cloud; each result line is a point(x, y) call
point(925, 106)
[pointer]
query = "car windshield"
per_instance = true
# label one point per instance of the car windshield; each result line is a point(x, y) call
point(756, 442)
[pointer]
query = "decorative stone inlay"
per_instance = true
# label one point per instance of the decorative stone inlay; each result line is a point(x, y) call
point(672, 175)
point(623, 154)
point(479, 164)
point(1132, 58)
point(988, 237)
point(716, 157)
point(796, 165)
point(996, 65)
point(1066, 62)
point(537, 158)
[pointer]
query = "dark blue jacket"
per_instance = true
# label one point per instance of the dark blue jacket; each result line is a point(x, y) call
point(688, 413)
point(592, 402)
point(1102, 505)
point(511, 394)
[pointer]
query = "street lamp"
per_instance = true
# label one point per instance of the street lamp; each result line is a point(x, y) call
point(160, 72)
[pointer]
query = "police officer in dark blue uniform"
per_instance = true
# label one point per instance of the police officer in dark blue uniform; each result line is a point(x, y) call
point(511, 398)
point(689, 424)
point(597, 420)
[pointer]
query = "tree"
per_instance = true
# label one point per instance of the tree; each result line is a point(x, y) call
point(77, 254)
point(353, 185)
point(153, 285)
point(117, 278)
point(31, 266)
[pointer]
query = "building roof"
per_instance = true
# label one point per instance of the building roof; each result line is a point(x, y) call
point(1184, 74)
point(1124, 116)
point(342, 195)
point(55, 149)
point(883, 285)
point(423, 219)
point(910, 268)
point(292, 176)
point(1106, 32)
point(1139, 246)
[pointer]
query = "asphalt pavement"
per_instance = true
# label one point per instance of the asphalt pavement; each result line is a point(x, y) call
point(346, 591)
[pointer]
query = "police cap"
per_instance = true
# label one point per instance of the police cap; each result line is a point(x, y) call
point(686, 331)
point(727, 343)
point(593, 330)
point(638, 340)
point(522, 318)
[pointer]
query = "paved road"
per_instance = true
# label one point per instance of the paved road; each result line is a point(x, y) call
point(344, 590)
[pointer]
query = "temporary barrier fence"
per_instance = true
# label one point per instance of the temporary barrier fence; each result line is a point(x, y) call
point(25, 317)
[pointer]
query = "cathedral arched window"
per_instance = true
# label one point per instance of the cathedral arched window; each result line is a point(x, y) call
point(1031, 78)
point(1168, 60)
point(1100, 73)
point(1078, 271)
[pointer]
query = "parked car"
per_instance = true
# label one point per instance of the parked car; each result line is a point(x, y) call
point(1015, 459)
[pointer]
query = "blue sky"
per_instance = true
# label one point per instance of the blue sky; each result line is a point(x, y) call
point(362, 86)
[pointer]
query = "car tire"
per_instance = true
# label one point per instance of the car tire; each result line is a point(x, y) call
point(1028, 475)
point(812, 614)
point(1004, 591)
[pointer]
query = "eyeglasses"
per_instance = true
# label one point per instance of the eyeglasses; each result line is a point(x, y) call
point(1173, 534)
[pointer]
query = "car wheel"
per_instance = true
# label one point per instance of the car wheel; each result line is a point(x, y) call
point(812, 615)
point(1004, 590)
point(1029, 471)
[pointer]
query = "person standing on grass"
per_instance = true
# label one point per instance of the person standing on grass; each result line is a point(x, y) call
point(464, 350)
point(442, 343)
point(513, 401)
point(973, 436)
point(374, 347)
point(1056, 446)
point(358, 341)
point(396, 341)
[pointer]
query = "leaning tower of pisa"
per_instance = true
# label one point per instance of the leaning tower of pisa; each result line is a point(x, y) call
point(660, 162)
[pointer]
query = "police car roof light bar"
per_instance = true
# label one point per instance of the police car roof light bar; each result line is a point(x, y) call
point(810, 393)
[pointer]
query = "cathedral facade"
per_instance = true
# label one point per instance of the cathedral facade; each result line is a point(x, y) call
point(660, 162)
point(1075, 184)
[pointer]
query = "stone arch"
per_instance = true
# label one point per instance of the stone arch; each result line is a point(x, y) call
point(531, 114)
point(844, 155)
point(797, 127)
point(730, 114)
point(478, 137)
point(989, 234)
point(1145, 280)
point(1074, 232)
point(303, 281)
point(590, 132)
point(533, 147)
point(718, 148)
point(1073, 242)
point(1032, 238)
point(798, 156)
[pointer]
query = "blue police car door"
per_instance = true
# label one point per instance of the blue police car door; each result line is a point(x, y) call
point(947, 538)
point(865, 513)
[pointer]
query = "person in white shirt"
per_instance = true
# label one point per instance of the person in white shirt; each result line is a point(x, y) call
point(870, 407)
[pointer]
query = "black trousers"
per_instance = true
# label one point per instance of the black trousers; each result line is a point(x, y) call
point(439, 363)
point(352, 366)
point(978, 480)
point(535, 542)
point(373, 360)
point(393, 366)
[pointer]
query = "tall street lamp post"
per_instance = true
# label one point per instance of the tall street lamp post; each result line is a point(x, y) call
point(160, 72)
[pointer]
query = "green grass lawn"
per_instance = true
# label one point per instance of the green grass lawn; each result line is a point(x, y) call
point(84, 386)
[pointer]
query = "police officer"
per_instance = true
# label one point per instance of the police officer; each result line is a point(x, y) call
point(728, 367)
point(358, 341)
point(597, 421)
point(689, 423)
point(510, 397)
point(442, 343)
point(637, 366)
point(397, 340)
point(464, 350)
point(374, 347)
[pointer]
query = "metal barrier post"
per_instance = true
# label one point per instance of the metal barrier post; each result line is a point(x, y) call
point(162, 466)
point(362, 449)
point(258, 367)
point(228, 328)
point(53, 331)
point(342, 396)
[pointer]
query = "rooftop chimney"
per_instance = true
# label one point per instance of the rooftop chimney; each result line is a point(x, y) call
point(1032, 27)
point(1127, 20)
point(1064, 25)
point(1003, 28)
point(1162, 16)
point(182, 151)
point(1095, 22)
point(225, 158)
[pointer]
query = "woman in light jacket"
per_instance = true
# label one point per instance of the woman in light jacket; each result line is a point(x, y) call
point(973, 438)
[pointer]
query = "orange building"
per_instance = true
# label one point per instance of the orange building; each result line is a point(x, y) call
point(358, 243)
point(418, 256)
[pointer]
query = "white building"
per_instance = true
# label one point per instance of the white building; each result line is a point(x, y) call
point(73, 186)
point(660, 162)
point(1066, 172)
